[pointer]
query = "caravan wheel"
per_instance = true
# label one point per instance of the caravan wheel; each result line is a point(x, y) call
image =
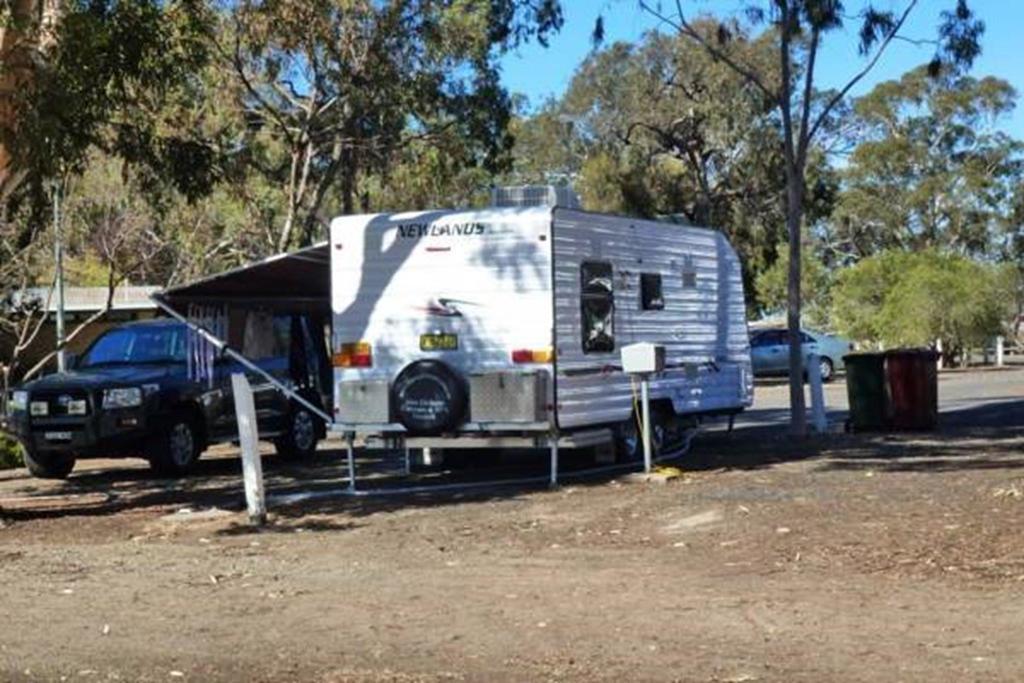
point(629, 443)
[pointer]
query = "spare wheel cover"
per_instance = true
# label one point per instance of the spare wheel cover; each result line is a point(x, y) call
point(429, 398)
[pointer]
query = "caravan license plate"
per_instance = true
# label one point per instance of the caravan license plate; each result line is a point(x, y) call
point(439, 342)
point(58, 436)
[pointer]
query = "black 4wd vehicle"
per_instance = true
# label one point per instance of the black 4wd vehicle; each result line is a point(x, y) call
point(130, 394)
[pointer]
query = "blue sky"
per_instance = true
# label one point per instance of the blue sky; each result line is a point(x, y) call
point(538, 72)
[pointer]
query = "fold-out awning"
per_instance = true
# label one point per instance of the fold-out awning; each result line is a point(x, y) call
point(300, 280)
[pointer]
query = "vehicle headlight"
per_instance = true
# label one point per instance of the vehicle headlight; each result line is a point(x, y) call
point(18, 402)
point(128, 397)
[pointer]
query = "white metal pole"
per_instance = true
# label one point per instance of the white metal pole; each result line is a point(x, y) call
point(553, 444)
point(938, 350)
point(646, 412)
point(248, 436)
point(818, 417)
point(58, 258)
point(999, 351)
point(350, 447)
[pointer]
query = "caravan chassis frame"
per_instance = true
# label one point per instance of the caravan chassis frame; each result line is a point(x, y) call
point(393, 436)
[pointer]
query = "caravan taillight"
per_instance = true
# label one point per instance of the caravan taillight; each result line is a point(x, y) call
point(533, 355)
point(354, 355)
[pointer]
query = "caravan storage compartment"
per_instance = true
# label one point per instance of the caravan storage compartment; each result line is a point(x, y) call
point(508, 397)
point(365, 401)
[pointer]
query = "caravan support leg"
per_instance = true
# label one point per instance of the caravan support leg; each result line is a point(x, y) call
point(553, 445)
point(350, 447)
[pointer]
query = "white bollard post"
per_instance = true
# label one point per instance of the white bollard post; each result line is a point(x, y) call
point(818, 417)
point(938, 350)
point(351, 456)
point(427, 460)
point(248, 437)
point(553, 445)
point(999, 351)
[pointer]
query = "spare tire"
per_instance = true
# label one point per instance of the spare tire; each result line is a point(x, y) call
point(429, 398)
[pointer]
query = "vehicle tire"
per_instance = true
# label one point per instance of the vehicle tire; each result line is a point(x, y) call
point(301, 436)
point(175, 450)
point(429, 398)
point(629, 443)
point(48, 465)
point(826, 368)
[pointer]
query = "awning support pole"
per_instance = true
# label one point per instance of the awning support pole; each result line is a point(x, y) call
point(350, 450)
point(245, 362)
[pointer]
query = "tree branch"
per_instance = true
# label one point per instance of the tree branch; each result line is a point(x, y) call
point(805, 115)
point(838, 97)
point(687, 29)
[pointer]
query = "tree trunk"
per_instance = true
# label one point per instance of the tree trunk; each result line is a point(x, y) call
point(348, 185)
point(795, 150)
point(15, 73)
point(794, 218)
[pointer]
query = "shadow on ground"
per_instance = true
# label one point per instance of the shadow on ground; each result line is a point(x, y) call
point(989, 436)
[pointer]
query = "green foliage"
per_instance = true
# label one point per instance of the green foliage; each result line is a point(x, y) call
point(104, 83)
point(860, 293)
point(345, 91)
point(10, 453)
point(663, 128)
point(815, 285)
point(929, 171)
point(912, 299)
point(426, 177)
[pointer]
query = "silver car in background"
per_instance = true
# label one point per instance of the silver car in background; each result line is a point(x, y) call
point(769, 351)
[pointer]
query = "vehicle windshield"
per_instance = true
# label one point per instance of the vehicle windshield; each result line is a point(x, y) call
point(131, 345)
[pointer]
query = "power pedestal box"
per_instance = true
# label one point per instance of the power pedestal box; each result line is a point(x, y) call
point(643, 358)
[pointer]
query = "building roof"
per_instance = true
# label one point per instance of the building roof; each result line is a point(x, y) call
point(92, 299)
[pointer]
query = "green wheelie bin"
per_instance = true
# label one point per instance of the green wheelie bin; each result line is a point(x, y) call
point(866, 391)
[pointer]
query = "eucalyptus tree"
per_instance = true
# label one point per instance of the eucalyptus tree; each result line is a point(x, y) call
point(931, 170)
point(105, 79)
point(343, 88)
point(662, 128)
point(799, 28)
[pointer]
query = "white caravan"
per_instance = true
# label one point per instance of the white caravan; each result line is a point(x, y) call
point(504, 326)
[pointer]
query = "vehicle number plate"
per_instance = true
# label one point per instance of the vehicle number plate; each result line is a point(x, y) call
point(439, 342)
point(58, 436)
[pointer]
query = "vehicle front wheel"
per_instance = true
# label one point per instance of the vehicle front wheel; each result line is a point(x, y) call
point(300, 440)
point(175, 450)
point(48, 465)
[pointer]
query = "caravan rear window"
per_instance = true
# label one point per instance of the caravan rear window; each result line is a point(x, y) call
point(597, 307)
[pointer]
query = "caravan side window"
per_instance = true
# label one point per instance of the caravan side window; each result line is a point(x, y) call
point(597, 306)
point(651, 298)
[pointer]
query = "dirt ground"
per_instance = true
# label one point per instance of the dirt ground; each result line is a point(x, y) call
point(839, 558)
